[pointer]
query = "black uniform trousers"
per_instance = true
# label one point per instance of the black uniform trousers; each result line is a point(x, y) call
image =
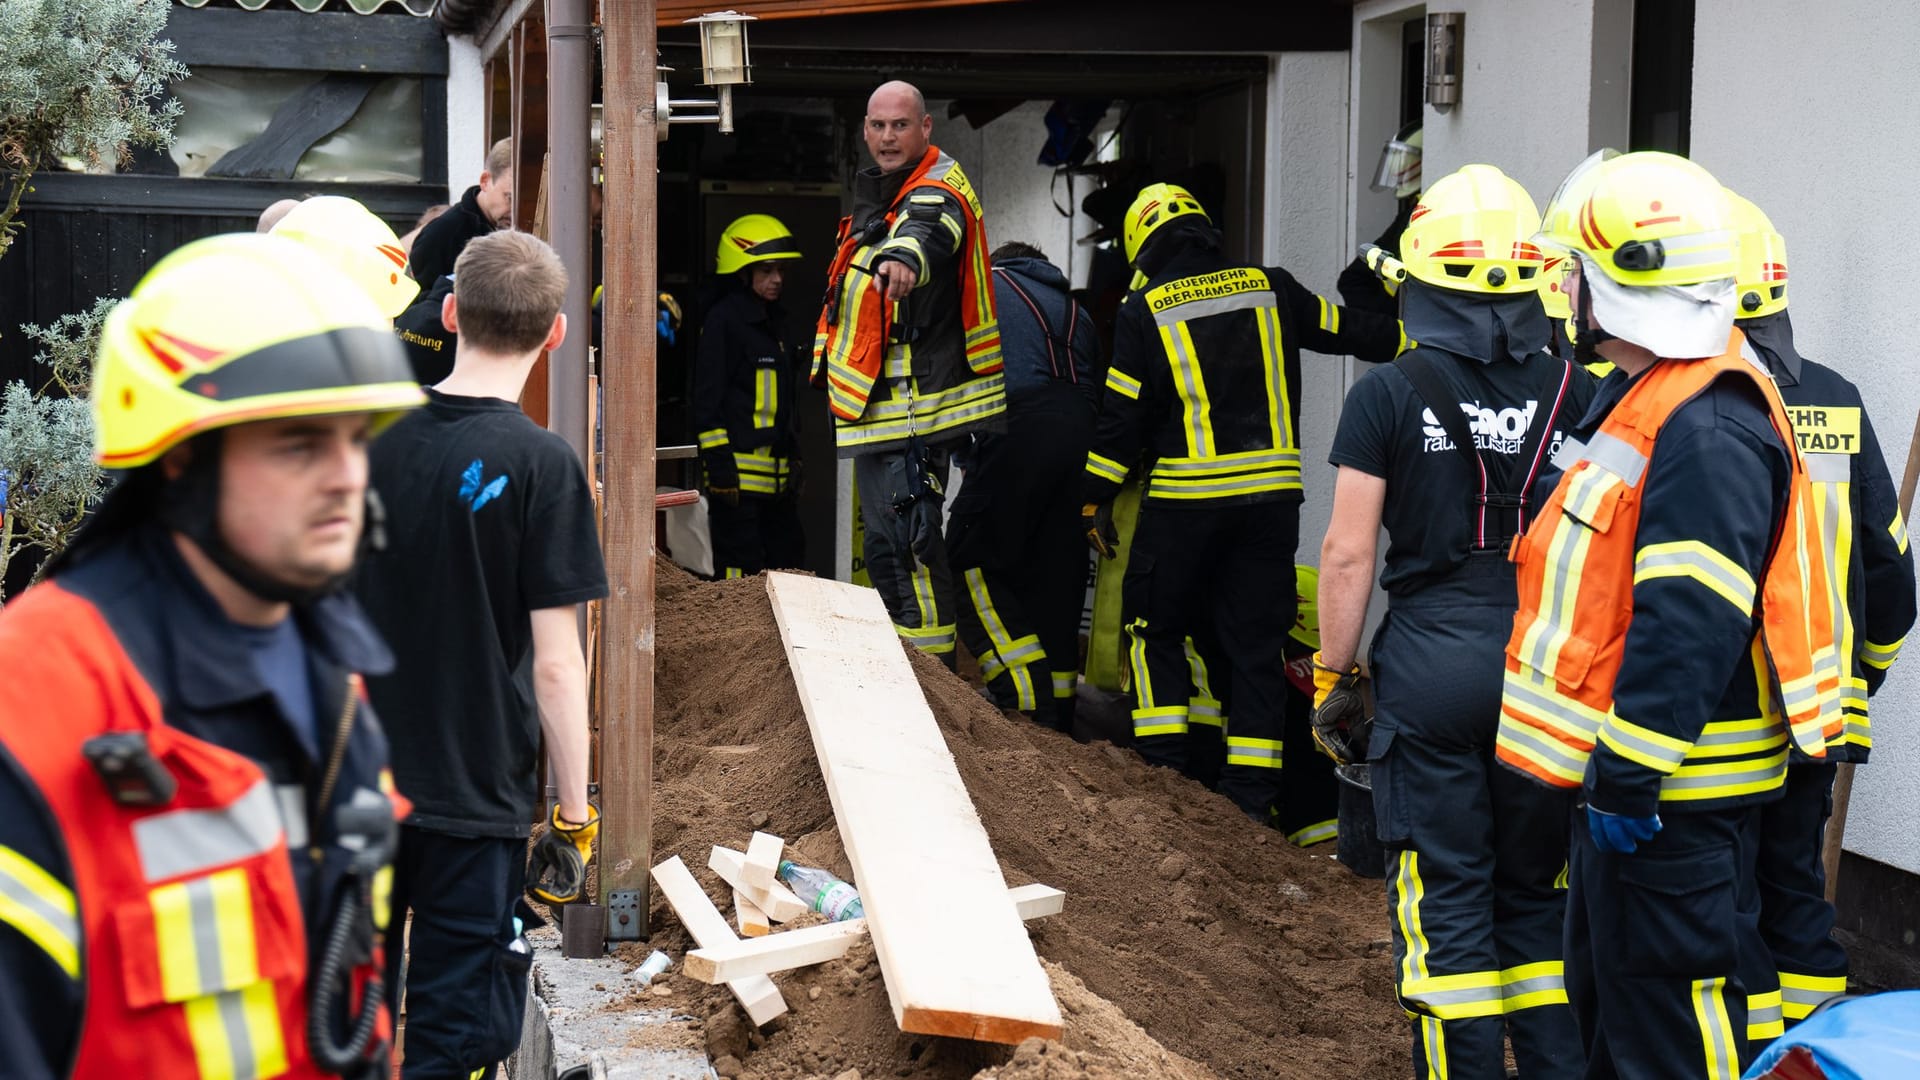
point(1230, 567)
point(465, 983)
point(761, 532)
point(1475, 852)
point(1018, 558)
point(1796, 922)
point(906, 554)
point(1307, 809)
point(1663, 948)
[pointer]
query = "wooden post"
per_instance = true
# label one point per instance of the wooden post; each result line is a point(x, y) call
point(627, 314)
point(1836, 840)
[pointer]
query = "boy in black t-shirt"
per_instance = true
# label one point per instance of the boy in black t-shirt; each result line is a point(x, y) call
point(492, 545)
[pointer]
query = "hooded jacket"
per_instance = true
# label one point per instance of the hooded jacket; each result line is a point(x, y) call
point(1046, 338)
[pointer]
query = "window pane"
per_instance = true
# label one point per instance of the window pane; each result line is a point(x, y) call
point(226, 108)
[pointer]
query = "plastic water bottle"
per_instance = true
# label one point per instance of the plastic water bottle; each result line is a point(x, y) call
point(656, 963)
point(519, 943)
point(823, 892)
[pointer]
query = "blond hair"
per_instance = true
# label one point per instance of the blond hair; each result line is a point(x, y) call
point(500, 158)
point(508, 286)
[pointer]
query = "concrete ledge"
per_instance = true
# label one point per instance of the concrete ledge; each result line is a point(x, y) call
point(590, 1013)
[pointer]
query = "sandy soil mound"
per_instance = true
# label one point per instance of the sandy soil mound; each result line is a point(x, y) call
point(1189, 933)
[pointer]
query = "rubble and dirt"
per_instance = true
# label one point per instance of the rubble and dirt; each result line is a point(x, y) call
point(1194, 943)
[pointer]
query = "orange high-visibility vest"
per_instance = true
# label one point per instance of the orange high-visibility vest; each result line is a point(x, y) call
point(853, 333)
point(1577, 566)
point(184, 919)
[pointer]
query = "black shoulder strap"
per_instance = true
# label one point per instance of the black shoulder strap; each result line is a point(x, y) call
point(1056, 345)
point(1421, 369)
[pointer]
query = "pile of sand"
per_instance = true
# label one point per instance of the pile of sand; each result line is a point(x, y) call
point(1193, 943)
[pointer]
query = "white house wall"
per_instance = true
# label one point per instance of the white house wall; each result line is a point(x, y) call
point(466, 115)
point(1801, 108)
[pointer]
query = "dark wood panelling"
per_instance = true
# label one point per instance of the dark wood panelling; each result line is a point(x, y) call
point(299, 41)
point(202, 196)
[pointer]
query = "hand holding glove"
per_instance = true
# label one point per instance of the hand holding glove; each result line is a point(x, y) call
point(562, 851)
point(1096, 520)
point(723, 476)
point(1340, 727)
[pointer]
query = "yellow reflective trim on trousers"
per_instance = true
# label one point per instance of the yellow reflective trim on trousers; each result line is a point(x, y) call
point(1880, 656)
point(1065, 683)
point(236, 1035)
point(732, 572)
point(1408, 890)
point(1142, 679)
point(928, 639)
point(923, 597)
point(1011, 655)
point(1464, 996)
point(1317, 833)
point(41, 909)
point(766, 397)
point(1162, 720)
point(1644, 746)
point(1562, 879)
point(1206, 712)
point(1898, 530)
point(1106, 468)
point(1721, 1055)
point(1701, 563)
point(1123, 384)
point(1764, 1018)
point(1197, 670)
point(1433, 1041)
point(713, 438)
point(1192, 388)
point(1256, 753)
point(1801, 994)
point(1535, 985)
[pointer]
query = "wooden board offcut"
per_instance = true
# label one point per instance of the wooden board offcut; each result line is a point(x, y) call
point(776, 900)
point(956, 959)
point(775, 952)
point(763, 859)
point(757, 994)
point(748, 918)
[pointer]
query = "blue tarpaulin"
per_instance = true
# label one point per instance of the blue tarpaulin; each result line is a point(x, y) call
point(1876, 1037)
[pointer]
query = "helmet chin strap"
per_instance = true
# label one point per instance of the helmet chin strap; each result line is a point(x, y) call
point(190, 506)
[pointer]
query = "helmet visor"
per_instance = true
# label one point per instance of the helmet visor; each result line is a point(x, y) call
point(1399, 167)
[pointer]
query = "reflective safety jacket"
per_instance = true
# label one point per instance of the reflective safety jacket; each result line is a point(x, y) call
point(185, 933)
point(928, 365)
point(1861, 529)
point(1206, 379)
point(746, 384)
point(1643, 640)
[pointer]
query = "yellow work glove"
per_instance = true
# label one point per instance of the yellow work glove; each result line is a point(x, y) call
point(562, 852)
point(1339, 713)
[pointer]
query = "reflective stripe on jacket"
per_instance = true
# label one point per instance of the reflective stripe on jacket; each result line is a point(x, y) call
point(184, 920)
point(886, 381)
point(1578, 566)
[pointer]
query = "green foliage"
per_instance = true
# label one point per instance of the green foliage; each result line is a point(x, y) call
point(83, 79)
point(46, 442)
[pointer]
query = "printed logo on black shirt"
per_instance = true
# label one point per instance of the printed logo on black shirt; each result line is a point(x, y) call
point(1502, 431)
point(471, 491)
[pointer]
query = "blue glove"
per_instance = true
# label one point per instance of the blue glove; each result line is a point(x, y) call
point(665, 325)
point(1617, 834)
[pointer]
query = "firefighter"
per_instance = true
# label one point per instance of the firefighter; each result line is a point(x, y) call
point(1674, 636)
point(355, 241)
point(1872, 600)
point(746, 383)
point(194, 859)
point(1018, 558)
point(907, 348)
point(1206, 379)
point(1442, 447)
point(1398, 172)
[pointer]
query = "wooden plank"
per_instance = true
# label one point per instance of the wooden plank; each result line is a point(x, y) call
point(303, 41)
point(756, 994)
point(1037, 901)
point(784, 951)
point(918, 850)
point(763, 858)
point(629, 381)
point(748, 918)
point(776, 900)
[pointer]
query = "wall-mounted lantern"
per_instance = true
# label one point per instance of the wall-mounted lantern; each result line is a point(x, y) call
point(724, 64)
point(1446, 42)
